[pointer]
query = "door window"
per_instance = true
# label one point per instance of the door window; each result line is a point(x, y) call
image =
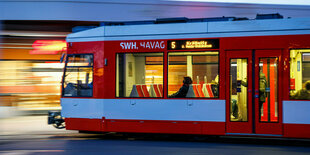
point(268, 90)
point(238, 90)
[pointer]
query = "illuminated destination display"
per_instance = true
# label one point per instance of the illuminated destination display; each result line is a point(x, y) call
point(193, 44)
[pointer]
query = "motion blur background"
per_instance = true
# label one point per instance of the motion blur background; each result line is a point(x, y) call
point(32, 37)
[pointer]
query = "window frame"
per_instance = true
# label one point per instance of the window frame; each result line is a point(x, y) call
point(190, 51)
point(117, 70)
point(65, 71)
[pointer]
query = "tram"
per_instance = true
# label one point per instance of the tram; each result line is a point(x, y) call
point(249, 77)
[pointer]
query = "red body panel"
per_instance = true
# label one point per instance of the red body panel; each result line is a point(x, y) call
point(296, 130)
point(146, 126)
point(83, 124)
point(183, 127)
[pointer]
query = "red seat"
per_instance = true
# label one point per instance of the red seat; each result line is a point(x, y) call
point(207, 90)
point(144, 90)
point(195, 90)
point(199, 89)
point(139, 90)
point(157, 91)
point(160, 86)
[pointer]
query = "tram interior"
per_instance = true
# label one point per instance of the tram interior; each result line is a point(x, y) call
point(299, 73)
point(141, 74)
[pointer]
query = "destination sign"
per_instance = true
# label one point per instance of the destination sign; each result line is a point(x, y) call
point(193, 44)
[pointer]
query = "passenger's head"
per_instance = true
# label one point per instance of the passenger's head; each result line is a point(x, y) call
point(307, 85)
point(187, 80)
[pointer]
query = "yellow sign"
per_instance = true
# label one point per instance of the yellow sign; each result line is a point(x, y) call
point(193, 44)
point(173, 45)
point(197, 44)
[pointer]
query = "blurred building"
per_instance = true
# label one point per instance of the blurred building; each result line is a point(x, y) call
point(30, 70)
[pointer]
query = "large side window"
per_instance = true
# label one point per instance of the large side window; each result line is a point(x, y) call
point(300, 74)
point(78, 77)
point(193, 74)
point(139, 75)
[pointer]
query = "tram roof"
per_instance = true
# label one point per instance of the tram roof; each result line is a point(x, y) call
point(192, 28)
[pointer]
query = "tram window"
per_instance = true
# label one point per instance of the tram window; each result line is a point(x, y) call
point(200, 67)
point(300, 74)
point(78, 78)
point(139, 75)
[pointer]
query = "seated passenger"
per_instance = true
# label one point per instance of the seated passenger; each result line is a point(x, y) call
point(184, 89)
point(303, 94)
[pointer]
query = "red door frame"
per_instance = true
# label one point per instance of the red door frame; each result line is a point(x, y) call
point(239, 127)
point(270, 127)
point(253, 125)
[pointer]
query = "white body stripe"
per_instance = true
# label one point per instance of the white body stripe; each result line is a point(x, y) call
point(145, 109)
point(195, 30)
point(296, 112)
point(81, 108)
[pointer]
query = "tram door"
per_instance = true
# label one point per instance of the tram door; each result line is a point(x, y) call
point(252, 92)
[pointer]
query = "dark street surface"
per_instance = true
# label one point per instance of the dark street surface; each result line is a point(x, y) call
point(33, 136)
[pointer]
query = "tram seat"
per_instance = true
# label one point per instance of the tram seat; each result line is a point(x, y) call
point(154, 91)
point(207, 90)
point(191, 91)
point(161, 90)
point(195, 90)
point(199, 90)
point(139, 90)
point(136, 91)
point(145, 91)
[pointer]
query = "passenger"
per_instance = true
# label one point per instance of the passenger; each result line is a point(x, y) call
point(262, 89)
point(303, 94)
point(184, 89)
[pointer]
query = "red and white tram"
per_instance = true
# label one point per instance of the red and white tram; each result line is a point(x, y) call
point(249, 78)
